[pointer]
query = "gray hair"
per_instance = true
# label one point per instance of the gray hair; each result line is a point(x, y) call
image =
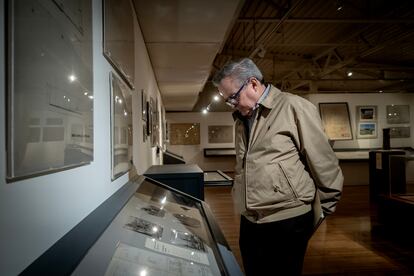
point(240, 71)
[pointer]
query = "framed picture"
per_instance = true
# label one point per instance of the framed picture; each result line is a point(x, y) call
point(185, 134)
point(220, 134)
point(143, 105)
point(400, 132)
point(398, 114)
point(367, 113)
point(49, 87)
point(149, 118)
point(367, 130)
point(119, 38)
point(336, 120)
point(121, 125)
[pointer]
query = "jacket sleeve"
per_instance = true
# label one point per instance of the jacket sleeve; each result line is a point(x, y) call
point(320, 159)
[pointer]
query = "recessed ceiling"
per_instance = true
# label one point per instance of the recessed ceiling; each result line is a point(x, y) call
point(183, 37)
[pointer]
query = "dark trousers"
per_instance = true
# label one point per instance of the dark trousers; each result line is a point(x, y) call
point(275, 248)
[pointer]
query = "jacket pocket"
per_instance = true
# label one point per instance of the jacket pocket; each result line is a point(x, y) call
point(298, 178)
point(289, 182)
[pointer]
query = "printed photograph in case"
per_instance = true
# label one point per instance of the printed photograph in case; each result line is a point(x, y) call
point(186, 239)
point(144, 227)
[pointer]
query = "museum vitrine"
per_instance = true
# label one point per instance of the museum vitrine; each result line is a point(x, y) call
point(159, 231)
point(145, 228)
point(402, 177)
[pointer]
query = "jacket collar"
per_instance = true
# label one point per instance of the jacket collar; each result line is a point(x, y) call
point(267, 103)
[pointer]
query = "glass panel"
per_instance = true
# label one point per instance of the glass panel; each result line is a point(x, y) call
point(50, 85)
point(121, 119)
point(402, 177)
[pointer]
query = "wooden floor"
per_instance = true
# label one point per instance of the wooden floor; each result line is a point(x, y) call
point(349, 242)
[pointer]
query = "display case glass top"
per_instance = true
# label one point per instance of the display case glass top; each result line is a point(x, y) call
point(159, 231)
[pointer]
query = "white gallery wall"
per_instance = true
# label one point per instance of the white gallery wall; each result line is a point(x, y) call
point(356, 174)
point(36, 212)
point(194, 154)
point(381, 100)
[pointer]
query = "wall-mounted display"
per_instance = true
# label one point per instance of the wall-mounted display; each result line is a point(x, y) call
point(49, 86)
point(400, 132)
point(185, 134)
point(398, 114)
point(366, 121)
point(367, 130)
point(220, 134)
point(143, 105)
point(367, 113)
point(119, 38)
point(149, 118)
point(155, 123)
point(121, 121)
point(336, 120)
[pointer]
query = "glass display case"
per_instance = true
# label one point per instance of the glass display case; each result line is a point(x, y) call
point(145, 228)
point(397, 206)
point(217, 178)
point(402, 177)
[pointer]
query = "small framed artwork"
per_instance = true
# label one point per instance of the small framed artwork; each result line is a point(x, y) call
point(400, 132)
point(367, 113)
point(367, 130)
point(143, 105)
point(336, 120)
point(398, 114)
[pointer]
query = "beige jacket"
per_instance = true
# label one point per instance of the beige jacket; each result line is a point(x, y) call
point(271, 181)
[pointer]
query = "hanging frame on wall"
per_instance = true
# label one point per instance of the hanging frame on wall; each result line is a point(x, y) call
point(49, 87)
point(119, 38)
point(336, 120)
point(121, 124)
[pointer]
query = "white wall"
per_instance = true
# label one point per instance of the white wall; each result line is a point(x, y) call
point(381, 100)
point(356, 173)
point(194, 154)
point(36, 212)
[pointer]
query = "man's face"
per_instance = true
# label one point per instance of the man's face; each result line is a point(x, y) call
point(238, 96)
point(235, 94)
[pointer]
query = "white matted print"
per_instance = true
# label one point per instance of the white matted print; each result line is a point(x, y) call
point(367, 130)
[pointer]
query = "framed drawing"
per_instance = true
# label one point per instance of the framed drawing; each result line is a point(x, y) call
point(119, 38)
point(143, 105)
point(185, 134)
point(398, 114)
point(121, 124)
point(367, 130)
point(400, 132)
point(49, 87)
point(149, 118)
point(220, 134)
point(367, 113)
point(336, 121)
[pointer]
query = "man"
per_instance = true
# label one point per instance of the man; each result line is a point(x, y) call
point(283, 159)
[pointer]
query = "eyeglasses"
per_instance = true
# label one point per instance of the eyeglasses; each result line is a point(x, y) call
point(233, 99)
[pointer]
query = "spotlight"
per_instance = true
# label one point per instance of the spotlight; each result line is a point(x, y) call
point(204, 111)
point(216, 98)
point(350, 73)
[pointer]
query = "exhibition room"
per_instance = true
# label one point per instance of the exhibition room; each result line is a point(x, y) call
point(163, 137)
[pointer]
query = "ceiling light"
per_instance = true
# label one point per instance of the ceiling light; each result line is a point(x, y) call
point(380, 91)
point(350, 73)
point(216, 98)
point(204, 111)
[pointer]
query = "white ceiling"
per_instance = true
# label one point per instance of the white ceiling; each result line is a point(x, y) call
point(183, 37)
